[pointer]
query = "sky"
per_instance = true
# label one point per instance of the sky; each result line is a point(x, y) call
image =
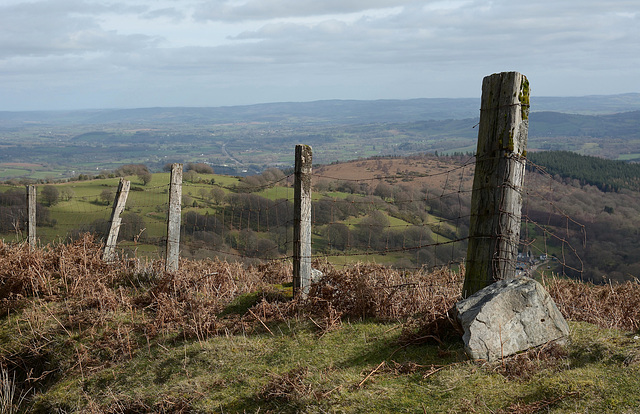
point(81, 54)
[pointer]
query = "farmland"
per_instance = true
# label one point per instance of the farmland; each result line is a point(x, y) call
point(247, 140)
point(345, 215)
point(400, 211)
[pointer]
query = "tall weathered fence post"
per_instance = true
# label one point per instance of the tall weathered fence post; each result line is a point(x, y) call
point(115, 221)
point(31, 216)
point(173, 223)
point(302, 221)
point(496, 201)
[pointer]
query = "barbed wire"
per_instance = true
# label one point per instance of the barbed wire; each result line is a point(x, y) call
point(425, 226)
point(564, 241)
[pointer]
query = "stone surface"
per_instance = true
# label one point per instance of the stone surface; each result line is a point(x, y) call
point(507, 317)
point(316, 275)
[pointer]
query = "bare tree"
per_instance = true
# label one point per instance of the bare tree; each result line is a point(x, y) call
point(50, 195)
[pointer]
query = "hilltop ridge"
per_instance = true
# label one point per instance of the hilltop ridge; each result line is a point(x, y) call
point(325, 111)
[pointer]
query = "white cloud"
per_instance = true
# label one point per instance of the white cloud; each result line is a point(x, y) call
point(170, 13)
point(217, 10)
point(227, 51)
point(63, 27)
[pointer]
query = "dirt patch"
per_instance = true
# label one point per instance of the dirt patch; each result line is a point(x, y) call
point(417, 171)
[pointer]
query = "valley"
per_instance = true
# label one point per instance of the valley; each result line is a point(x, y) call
point(392, 179)
point(49, 146)
point(406, 212)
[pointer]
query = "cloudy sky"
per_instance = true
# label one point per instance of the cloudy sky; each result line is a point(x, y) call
point(70, 54)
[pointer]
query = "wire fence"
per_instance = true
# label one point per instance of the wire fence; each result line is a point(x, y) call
point(417, 216)
point(408, 213)
point(547, 230)
point(72, 209)
point(248, 222)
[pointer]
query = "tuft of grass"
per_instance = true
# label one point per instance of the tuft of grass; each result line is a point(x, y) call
point(9, 402)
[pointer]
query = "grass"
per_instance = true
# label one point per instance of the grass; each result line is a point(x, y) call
point(339, 195)
point(629, 156)
point(33, 171)
point(82, 336)
point(12, 172)
point(86, 207)
point(275, 193)
point(220, 369)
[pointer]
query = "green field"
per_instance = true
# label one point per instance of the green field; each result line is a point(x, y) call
point(85, 207)
point(629, 156)
point(278, 193)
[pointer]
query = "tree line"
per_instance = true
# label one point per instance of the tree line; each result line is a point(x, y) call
point(13, 212)
point(606, 175)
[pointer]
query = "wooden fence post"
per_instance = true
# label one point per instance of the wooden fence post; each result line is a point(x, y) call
point(31, 216)
point(115, 221)
point(173, 223)
point(302, 221)
point(496, 201)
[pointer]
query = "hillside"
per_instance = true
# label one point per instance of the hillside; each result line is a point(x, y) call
point(405, 212)
point(332, 111)
point(250, 218)
point(82, 336)
point(605, 174)
point(591, 232)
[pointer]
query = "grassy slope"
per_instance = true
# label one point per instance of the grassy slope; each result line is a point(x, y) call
point(124, 338)
point(561, 210)
point(295, 370)
point(86, 206)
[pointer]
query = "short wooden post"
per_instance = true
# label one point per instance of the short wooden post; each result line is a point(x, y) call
point(173, 223)
point(496, 201)
point(31, 216)
point(118, 207)
point(302, 221)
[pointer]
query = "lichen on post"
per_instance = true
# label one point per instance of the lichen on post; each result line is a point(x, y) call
point(173, 220)
point(302, 221)
point(496, 201)
point(119, 203)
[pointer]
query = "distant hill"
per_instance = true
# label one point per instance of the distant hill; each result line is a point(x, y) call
point(620, 125)
point(247, 138)
point(323, 112)
point(588, 105)
point(592, 232)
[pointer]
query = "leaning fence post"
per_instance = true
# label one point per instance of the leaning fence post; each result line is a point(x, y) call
point(496, 201)
point(302, 221)
point(173, 223)
point(31, 216)
point(115, 221)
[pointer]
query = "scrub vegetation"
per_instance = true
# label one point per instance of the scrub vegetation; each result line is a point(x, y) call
point(82, 336)
point(377, 209)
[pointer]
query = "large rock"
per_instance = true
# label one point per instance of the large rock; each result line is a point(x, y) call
point(507, 317)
